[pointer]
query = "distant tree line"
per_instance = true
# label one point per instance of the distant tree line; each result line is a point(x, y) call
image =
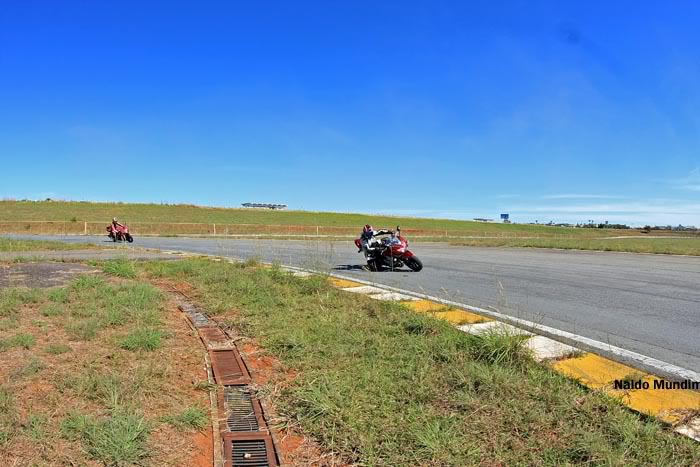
point(606, 225)
point(646, 228)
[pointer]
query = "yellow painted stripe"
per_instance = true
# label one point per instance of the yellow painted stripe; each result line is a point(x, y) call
point(425, 305)
point(440, 311)
point(342, 283)
point(670, 405)
point(592, 370)
point(459, 317)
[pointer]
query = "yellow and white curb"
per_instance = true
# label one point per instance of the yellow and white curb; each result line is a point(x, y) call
point(493, 327)
point(677, 407)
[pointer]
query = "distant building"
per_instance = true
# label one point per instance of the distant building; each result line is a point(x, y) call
point(481, 219)
point(264, 206)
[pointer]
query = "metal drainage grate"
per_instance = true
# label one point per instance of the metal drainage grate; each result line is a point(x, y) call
point(213, 334)
point(240, 414)
point(249, 453)
point(198, 319)
point(228, 367)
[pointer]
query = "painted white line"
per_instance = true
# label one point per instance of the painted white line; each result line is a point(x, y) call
point(392, 296)
point(365, 289)
point(492, 326)
point(691, 429)
point(544, 348)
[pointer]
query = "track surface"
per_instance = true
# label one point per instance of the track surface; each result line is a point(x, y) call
point(648, 304)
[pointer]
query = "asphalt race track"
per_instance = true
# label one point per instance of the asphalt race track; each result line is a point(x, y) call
point(648, 304)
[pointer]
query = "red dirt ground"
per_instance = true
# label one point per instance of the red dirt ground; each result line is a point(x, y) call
point(293, 448)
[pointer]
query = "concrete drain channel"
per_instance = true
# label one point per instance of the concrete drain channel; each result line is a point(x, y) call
point(244, 438)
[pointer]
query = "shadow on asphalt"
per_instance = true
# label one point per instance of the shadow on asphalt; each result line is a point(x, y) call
point(358, 267)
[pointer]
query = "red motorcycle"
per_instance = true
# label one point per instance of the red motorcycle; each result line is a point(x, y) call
point(119, 233)
point(391, 253)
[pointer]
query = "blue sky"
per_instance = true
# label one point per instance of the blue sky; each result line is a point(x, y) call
point(563, 111)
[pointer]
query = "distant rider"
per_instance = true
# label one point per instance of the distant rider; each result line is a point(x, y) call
point(116, 224)
point(369, 241)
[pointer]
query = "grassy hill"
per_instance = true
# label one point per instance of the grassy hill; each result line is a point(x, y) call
point(164, 213)
point(185, 219)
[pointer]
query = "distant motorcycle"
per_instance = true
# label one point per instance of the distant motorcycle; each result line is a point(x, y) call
point(391, 253)
point(119, 233)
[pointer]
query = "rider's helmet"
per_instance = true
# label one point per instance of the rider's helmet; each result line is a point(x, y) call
point(114, 220)
point(367, 231)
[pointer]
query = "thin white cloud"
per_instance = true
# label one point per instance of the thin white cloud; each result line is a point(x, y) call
point(582, 196)
point(644, 211)
point(634, 207)
point(690, 182)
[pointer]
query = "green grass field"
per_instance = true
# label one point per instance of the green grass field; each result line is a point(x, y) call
point(13, 245)
point(156, 213)
point(383, 386)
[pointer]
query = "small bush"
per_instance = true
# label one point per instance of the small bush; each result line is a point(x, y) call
point(121, 267)
point(58, 295)
point(502, 348)
point(25, 341)
point(52, 309)
point(142, 339)
point(117, 440)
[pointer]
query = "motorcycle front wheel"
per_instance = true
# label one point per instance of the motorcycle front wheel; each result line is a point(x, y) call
point(414, 263)
point(374, 265)
point(129, 238)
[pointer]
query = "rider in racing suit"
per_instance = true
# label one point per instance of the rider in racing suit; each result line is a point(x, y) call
point(368, 240)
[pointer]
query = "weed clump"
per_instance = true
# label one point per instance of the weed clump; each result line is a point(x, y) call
point(142, 339)
point(115, 440)
point(57, 349)
point(120, 267)
point(23, 340)
point(192, 418)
